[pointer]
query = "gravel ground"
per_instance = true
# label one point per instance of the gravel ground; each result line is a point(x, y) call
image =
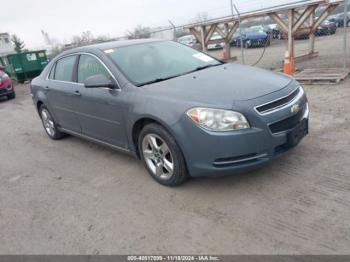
point(75, 197)
point(330, 52)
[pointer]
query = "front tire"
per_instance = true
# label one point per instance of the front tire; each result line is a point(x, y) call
point(49, 124)
point(12, 95)
point(162, 156)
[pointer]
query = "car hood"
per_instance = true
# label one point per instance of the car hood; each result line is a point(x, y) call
point(220, 85)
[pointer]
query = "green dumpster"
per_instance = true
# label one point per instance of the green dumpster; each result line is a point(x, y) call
point(24, 66)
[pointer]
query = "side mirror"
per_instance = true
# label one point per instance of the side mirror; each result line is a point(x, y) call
point(97, 81)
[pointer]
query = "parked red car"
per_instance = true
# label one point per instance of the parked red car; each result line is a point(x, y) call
point(6, 85)
point(300, 34)
point(326, 28)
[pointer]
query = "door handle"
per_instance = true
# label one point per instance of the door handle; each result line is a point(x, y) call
point(47, 88)
point(77, 93)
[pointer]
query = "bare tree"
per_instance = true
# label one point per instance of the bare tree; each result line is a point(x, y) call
point(139, 32)
point(87, 37)
point(76, 40)
point(201, 17)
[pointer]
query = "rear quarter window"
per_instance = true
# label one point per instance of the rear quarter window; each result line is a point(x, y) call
point(52, 72)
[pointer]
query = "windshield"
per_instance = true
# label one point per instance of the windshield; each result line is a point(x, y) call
point(157, 61)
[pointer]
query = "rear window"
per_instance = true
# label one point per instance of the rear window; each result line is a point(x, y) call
point(64, 69)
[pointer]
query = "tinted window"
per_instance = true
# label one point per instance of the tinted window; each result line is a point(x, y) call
point(64, 69)
point(90, 66)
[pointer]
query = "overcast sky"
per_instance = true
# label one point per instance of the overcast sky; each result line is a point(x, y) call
point(63, 19)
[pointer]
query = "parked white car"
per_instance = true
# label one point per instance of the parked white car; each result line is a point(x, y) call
point(221, 45)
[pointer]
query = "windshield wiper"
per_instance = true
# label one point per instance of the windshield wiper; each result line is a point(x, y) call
point(157, 80)
point(160, 79)
point(203, 67)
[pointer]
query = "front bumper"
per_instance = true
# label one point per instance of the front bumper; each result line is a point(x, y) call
point(6, 91)
point(216, 46)
point(219, 153)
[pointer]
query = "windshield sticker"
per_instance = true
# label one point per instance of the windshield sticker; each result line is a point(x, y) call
point(108, 51)
point(203, 57)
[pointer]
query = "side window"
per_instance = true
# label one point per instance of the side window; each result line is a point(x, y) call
point(64, 69)
point(52, 72)
point(89, 66)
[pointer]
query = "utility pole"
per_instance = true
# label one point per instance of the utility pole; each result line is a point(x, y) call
point(345, 33)
point(239, 28)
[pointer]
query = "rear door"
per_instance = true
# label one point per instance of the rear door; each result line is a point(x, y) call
point(60, 92)
point(100, 110)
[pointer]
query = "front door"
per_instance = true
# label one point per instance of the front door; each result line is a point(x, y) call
point(100, 110)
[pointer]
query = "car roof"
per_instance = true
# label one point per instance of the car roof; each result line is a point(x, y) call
point(113, 44)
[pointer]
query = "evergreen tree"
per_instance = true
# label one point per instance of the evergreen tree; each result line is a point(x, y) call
point(18, 43)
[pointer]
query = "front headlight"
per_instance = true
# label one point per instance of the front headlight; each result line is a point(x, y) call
point(218, 119)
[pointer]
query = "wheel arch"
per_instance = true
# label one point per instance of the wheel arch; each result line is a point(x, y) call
point(140, 124)
point(39, 103)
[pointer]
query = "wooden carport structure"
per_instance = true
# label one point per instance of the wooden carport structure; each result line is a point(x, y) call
point(299, 15)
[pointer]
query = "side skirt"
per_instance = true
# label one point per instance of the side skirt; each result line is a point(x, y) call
point(94, 140)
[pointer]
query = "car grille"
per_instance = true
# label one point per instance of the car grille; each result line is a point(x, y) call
point(263, 109)
point(287, 123)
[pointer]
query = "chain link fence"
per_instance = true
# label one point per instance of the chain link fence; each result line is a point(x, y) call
point(265, 44)
point(260, 41)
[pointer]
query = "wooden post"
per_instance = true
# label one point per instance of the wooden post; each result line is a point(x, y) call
point(312, 35)
point(203, 35)
point(227, 47)
point(291, 40)
point(290, 32)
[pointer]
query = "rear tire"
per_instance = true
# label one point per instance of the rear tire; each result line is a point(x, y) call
point(162, 156)
point(49, 124)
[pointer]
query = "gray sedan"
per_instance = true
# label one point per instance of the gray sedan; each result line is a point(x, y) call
point(182, 112)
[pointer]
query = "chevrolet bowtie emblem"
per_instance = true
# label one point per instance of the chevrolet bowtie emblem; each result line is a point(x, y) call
point(295, 108)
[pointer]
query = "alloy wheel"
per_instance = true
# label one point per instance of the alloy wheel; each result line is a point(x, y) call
point(49, 125)
point(158, 156)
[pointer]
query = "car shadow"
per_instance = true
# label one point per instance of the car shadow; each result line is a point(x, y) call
point(256, 177)
point(252, 179)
